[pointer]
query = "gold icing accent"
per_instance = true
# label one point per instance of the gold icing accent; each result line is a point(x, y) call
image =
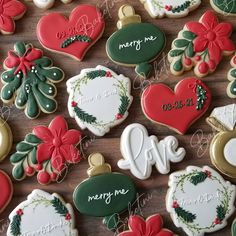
point(214, 123)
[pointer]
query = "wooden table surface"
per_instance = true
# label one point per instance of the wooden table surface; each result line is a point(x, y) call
point(152, 191)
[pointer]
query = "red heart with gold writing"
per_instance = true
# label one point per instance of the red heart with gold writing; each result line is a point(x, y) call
point(7, 190)
point(73, 36)
point(176, 109)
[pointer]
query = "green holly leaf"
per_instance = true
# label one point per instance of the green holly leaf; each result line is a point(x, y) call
point(43, 62)
point(198, 178)
point(190, 50)
point(189, 35)
point(181, 43)
point(176, 52)
point(18, 171)
point(33, 156)
point(20, 48)
point(178, 65)
point(24, 147)
point(16, 157)
point(31, 138)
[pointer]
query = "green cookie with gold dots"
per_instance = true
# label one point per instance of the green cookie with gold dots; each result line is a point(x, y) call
point(28, 80)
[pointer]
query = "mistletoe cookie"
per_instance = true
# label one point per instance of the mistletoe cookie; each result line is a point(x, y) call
point(73, 36)
point(141, 152)
point(42, 214)
point(225, 7)
point(200, 200)
point(6, 190)
point(11, 10)
point(170, 8)
point(99, 99)
point(46, 4)
point(29, 79)
point(47, 150)
point(201, 45)
point(222, 148)
point(231, 88)
point(135, 43)
point(153, 226)
point(177, 109)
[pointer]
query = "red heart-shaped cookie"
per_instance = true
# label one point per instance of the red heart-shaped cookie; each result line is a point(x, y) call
point(73, 36)
point(7, 190)
point(176, 109)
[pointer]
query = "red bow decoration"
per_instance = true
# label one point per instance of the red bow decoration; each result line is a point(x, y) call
point(23, 63)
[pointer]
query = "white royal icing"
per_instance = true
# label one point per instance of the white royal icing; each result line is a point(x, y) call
point(45, 4)
point(141, 151)
point(230, 151)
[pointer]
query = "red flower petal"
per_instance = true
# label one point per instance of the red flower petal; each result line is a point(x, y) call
point(13, 8)
point(225, 44)
point(44, 152)
point(71, 137)
point(223, 29)
point(57, 161)
point(137, 224)
point(196, 27)
point(43, 133)
point(7, 24)
point(33, 54)
point(58, 126)
point(70, 153)
point(165, 232)
point(154, 225)
point(200, 44)
point(209, 20)
point(214, 52)
point(12, 60)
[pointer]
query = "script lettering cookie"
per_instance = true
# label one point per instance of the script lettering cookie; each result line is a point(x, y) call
point(104, 193)
point(46, 4)
point(222, 148)
point(199, 200)
point(73, 36)
point(47, 150)
point(153, 226)
point(28, 80)
point(42, 214)
point(99, 99)
point(225, 7)
point(135, 44)
point(201, 45)
point(176, 109)
point(170, 8)
point(141, 152)
point(11, 10)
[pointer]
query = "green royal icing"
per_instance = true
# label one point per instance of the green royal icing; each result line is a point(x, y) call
point(233, 228)
point(136, 44)
point(227, 6)
point(33, 91)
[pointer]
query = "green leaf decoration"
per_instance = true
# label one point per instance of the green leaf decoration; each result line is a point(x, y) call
point(185, 215)
point(84, 116)
point(176, 52)
point(189, 35)
point(233, 88)
point(233, 73)
point(18, 171)
point(23, 147)
point(96, 73)
point(190, 50)
point(182, 7)
point(201, 97)
point(221, 212)
point(180, 43)
point(125, 101)
point(60, 208)
point(32, 139)
point(178, 65)
point(76, 38)
point(34, 156)
point(198, 178)
point(16, 157)
point(15, 225)
point(20, 47)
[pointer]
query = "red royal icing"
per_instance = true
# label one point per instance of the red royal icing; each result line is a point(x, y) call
point(176, 109)
point(211, 35)
point(7, 190)
point(153, 226)
point(84, 20)
point(9, 10)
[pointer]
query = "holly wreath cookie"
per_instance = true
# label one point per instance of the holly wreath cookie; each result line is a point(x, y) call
point(11, 10)
point(46, 4)
point(177, 109)
point(152, 226)
point(135, 44)
point(71, 36)
point(42, 214)
point(199, 200)
point(170, 8)
point(141, 152)
point(225, 7)
point(47, 151)
point(201, 45)
point(99, 99)
point(28, 80)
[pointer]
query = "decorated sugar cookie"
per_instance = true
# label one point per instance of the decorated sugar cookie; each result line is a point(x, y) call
point(141, 152)
point(231, 88)
point(47, 150)
point(6, 190)
point(42, 214)
point(153, 226)
point(99, 99)
point(73, 36)
point(6, 139)
point(170, 8)
point(222, 148)
point(104, 193)
point(11, 10)
point(135, 44)
point(177, 109)
point(29, 79)
point(45, 4)
point(233, 228)
point(201, 45)
point(225, 7)
point(199, 200)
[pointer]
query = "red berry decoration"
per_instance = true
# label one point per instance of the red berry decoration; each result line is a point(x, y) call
point(203, 67)
point(29, 170)
point(74, 104)
point(20, 212)
point(187, 61)
point(119, 116)
point(197, 58)
point(217, 221)
point(212, 64)
point(68, 216)
point(175, 204)
point(54, 176)
point(108, 74)
point(43, 177)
